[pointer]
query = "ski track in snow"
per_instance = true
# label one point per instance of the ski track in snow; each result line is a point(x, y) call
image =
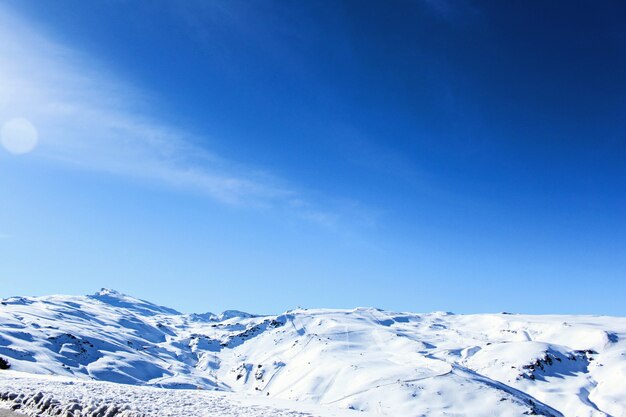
point(113, 350)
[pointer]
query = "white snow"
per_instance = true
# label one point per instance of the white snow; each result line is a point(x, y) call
point(53, 396)
point(374, 362)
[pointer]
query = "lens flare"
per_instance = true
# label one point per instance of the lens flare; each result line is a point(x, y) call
point(19, 136)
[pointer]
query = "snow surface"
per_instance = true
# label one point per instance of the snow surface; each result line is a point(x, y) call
point(374, 362)
point(67, 397)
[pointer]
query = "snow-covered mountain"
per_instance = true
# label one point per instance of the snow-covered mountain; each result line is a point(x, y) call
point(378, 362)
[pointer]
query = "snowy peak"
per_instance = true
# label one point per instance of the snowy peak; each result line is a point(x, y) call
point(231, 314)
point(203, 317)
point(117, 299)
point(104, 292)
point(224, 316)
point(380, 362)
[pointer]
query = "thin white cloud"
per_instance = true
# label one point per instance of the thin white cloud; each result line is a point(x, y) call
point(88, 118)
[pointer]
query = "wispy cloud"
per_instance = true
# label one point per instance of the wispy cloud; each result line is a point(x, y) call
point(87, 117)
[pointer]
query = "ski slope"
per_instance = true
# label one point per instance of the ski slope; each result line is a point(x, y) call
point(364, 362)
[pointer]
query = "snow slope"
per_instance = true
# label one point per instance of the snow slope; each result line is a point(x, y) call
point(376, 362)
point(60, 396)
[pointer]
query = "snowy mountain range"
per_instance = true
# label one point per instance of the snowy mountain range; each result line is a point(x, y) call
point(375, 362)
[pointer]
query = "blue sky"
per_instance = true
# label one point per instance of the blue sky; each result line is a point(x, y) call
point(414, 155)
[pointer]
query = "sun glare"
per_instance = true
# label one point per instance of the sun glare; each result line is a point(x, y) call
point(19, 136)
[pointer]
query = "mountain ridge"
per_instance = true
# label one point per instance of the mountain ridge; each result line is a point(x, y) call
point(365, 359)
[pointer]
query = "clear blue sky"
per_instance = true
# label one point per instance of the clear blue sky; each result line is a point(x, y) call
point(410, 155)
